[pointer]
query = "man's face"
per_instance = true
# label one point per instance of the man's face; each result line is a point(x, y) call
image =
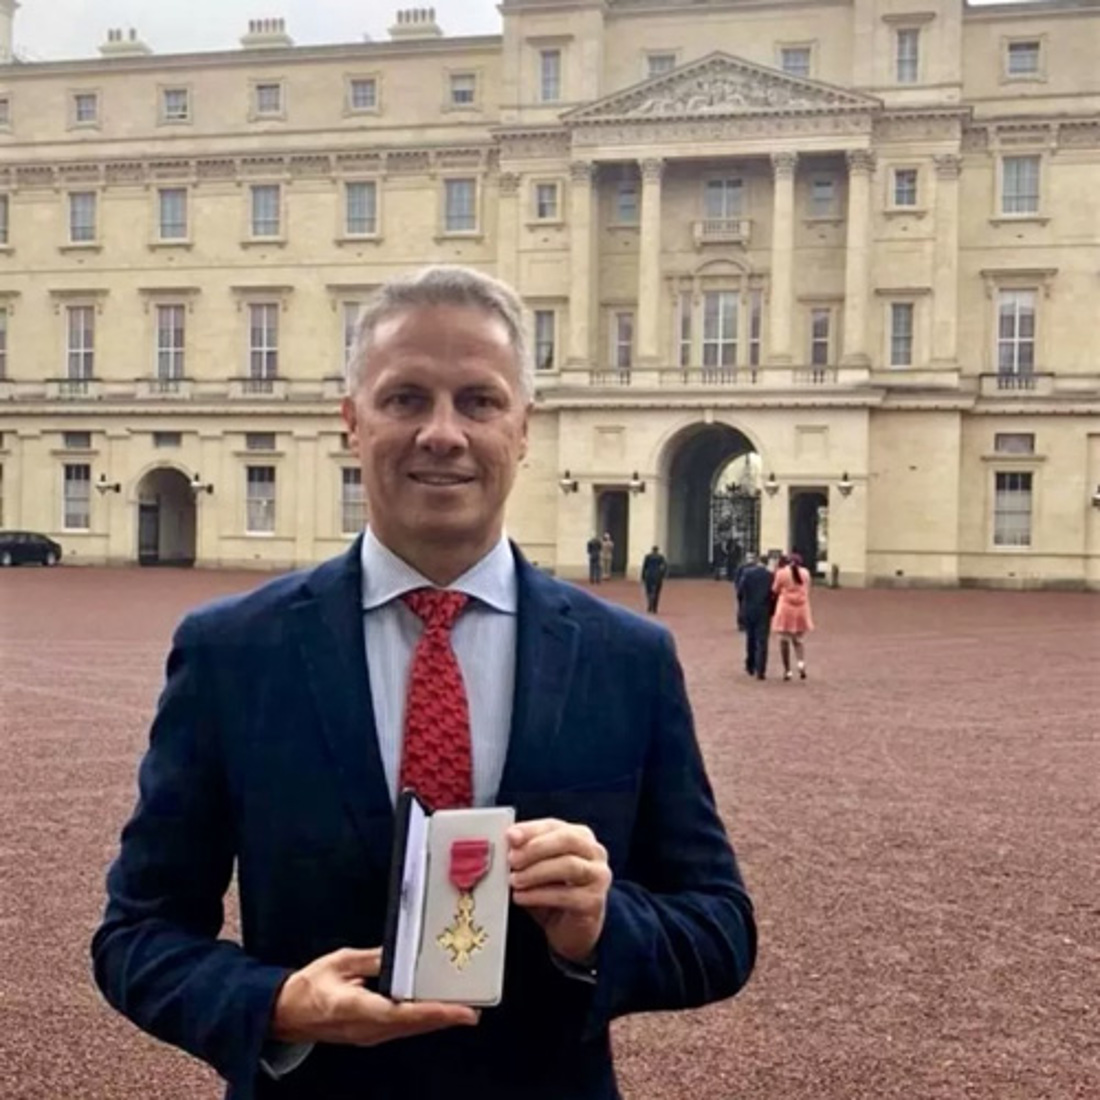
point(440, 427)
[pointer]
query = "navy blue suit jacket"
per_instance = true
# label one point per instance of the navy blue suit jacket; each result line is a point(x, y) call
point(754, 592)
point(263, 758)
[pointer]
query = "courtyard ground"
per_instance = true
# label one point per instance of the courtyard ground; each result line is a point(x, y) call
point(919, 824)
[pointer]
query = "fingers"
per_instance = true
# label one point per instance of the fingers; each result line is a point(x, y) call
point(354, 962)
point(547, 839)
point(568, 870)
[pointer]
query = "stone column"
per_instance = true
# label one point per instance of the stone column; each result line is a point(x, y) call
point(781, 321)
point(857, 271)
point(582, 224)
point(304, 501)
point(508, 227)
point(945, 275)
point(649, 265)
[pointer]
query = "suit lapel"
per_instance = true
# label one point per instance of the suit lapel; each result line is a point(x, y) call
point(329, 628)
point(547, 640)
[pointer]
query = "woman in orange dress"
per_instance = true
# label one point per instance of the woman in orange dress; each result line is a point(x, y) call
point(792, 620)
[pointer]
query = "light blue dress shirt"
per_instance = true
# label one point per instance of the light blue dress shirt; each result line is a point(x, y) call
point(484, 641)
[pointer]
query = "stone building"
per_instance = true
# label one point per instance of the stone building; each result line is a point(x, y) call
point(857, 241)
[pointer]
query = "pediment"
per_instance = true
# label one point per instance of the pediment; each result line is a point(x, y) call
point(720, 85)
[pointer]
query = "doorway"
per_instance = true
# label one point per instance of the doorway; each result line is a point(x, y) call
point(810, 526)
point(613, 516)
point(166, 519)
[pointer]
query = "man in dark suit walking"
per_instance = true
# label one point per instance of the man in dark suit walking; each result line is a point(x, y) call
point(754, 610)
point(654, 570)
point(288, 724)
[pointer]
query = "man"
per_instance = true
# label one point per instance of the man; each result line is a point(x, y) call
point(284, 732)
point(754, 611)
point(654, 569)
point(593, 547)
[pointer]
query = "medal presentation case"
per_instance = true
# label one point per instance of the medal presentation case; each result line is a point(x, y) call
point(447, 912)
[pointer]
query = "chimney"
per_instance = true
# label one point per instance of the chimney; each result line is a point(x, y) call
point(7, 22)
point(119, 44)
point(415, 23)
point(266, 34)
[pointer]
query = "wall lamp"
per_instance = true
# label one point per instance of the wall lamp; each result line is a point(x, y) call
point(200, 486)
point(1096, 498)
point(636, 484)
point(771, 486)
point(568, 484)
point(104, 486)
point(845, 485)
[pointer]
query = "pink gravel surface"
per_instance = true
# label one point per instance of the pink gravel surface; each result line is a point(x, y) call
point(918, 822)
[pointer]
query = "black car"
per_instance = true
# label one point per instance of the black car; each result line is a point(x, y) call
point(21, 547)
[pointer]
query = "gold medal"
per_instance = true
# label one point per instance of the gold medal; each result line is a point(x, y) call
point(470, 860)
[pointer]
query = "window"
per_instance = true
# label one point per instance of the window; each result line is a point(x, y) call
point(76, 441)
point(165, 440)
point(658, 63)
point(77, 515)
point(5, 218)
point(823, 197)
point(550, 76)
point(546, 202)
point(85, 109)
point(905, 187)
point(5, 110)
point(172, 213)
point(269, 99)
point(170, 340)
point(460, 206)
point(819, 337)
point(263, 358)
point(722, 199)
point(1014, 443)
point(175, 105)
point(463, 89)
point(1020, 185)
point(361, 208)
point(1012, 509)
point(3, 344)
point(908, 55)
point(266, 198)
point(1016, 331)
point(901, 334)
point(795, 60)
point(720, 318)
point(259, 441)
point(82, 217)
point(684, 308)
point(353, 511)
point(546, 324)
point(627, 207)
point(363, 94)
point(756, 325)
point(1023, 59)
point(260, 500)
point(622, 340)
point(81, 344)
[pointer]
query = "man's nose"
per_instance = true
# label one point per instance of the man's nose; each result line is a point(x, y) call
point(442, 431)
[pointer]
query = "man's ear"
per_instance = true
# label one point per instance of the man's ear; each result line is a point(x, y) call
point(351, 421)
point(524, 431)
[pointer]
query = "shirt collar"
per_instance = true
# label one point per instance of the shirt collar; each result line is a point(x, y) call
point(492, 580)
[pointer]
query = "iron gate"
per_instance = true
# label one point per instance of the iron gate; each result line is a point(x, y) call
point(734, 528)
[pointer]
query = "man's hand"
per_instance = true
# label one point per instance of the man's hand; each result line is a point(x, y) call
point(325, 1002)
point(560, 875)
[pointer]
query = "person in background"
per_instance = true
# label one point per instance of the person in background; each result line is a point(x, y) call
point(755, 603)
point(592, 547)
point(654, 571)
point(793, 619)
point(607, 552)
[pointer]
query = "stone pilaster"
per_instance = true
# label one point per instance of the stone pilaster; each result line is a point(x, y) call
point(508, 203)
point(582, 261)
point(857, 270)
point(945, 276)
point(649, 264)
point(782, 275)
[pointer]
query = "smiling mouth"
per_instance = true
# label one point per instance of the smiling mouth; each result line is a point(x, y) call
point(441, 481)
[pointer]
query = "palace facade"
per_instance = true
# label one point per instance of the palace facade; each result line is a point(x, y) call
point(856, 240)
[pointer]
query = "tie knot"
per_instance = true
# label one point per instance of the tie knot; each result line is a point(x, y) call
point(437, 607)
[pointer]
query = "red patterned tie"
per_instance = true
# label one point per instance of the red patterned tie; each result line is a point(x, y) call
point(436, 755)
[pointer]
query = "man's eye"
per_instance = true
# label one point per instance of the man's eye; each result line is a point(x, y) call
point(481, 402)
point(402, 400)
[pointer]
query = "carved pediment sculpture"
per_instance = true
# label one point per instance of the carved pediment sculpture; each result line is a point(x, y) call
point(720, 85)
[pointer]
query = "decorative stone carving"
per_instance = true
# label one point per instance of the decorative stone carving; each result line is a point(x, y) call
point(938, 126)
point(975, 139)
point(1079, 135)
point(126, 171)
point(220, 168)
point(263, 166)
point(167, 169)
point(784, 164)
point(315, 166)
point(526, 144)
point(860, 160)
point(652, 168)
point(508, 184)
point(948, 166)
point(80, 173)
point(408, 161)
point(582, 171)
point(720, 85)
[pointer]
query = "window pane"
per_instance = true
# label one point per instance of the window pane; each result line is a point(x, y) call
point(81, 351)
point(822, 194)
point(908, 55)
point(1023, 58)
point(460, 209)
point(795, 60)
point(658, 63)
point(1020, 185)
point(550, 76)
point(364, 94)
point(362, 215)
point(82, 226)
point(545, 336)
point(77, 514)
point(1012, 509)
point(263, 341)
point(463, 89)
point(269, 99)
point(176, 106)
point(905, 187)
point(5, 218)
point(352, 501)
point(265, 210)
point(170, 338)
point(173, 214)
point(626, 202)
point(901, 334)
point(260, 499)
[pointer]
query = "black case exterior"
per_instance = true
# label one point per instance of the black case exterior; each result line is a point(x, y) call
point(393, 900)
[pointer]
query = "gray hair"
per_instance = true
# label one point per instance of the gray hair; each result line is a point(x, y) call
point(444, 286)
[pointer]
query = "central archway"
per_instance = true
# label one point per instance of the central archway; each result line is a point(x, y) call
point(697, 455)
point(166, 519)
